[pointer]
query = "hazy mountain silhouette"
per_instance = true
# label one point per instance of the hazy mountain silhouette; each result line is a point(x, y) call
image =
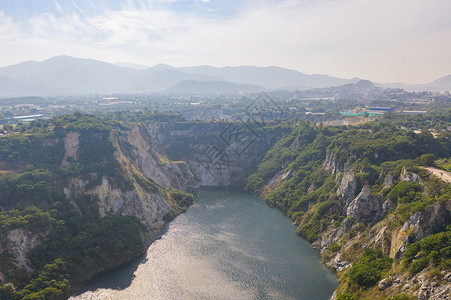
point(361, 85)
point(442, 83)
point(67, 75)
point(270, 77)
point(131, 66)
point(438, 85)
point(64, 75)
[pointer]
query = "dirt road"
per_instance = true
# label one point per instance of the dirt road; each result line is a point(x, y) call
point(444, 175)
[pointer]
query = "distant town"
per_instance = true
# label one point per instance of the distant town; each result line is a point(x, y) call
point(347, 104)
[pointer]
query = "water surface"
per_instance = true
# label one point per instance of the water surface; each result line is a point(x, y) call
point(226, 246)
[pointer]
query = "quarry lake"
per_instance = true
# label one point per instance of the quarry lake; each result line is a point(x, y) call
point(226, 246)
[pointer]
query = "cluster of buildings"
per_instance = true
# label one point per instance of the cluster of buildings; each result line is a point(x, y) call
point(25, 118)
point(377, 111)
point(371, 112)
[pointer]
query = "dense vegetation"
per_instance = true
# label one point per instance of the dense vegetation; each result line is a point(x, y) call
point(368, 270)
point(293, 177)
point(128, 118)
point(371, 149)
point(78, 243)
point(433, 250)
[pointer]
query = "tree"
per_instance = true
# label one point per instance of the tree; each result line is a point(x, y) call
point(427, 159)
point(7, 291)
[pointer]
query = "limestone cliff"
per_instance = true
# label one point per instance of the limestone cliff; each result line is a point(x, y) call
point(217, 153)
point(132, 179)
point(136, 153)
point(138, 148)
point(149, 208)
point(71, 144)
point(348, 186)
point(365, 207)
point(331, 162)
point(384, 233)
point(361, 211)
point(19, 243)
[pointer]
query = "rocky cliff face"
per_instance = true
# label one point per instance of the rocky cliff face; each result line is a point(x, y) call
point(409, 176)
point(358, 215)
point(146, 197)
point(347, 187)
point(71, 145)
point(19, 243)
point(383, 233)
point(331, 162)
point(138, 147)
point(217, 154)
point(365, 207)
point(135, 151)
point(371, 209)
point(149, 208)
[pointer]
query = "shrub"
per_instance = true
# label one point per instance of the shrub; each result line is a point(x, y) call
point(368, 270)
point(401, 297)
point(334, 247)
point(346, 296)
point(418, 265)
point(435, 248)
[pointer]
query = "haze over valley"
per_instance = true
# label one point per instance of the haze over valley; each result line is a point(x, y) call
point(209, 149)
point(65, 76)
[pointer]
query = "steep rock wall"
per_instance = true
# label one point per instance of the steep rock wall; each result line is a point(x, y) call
point(71, 144)
point(217, 153)
point(137, 155)
point(137, 147)
point(19, 243)
point(149, 208)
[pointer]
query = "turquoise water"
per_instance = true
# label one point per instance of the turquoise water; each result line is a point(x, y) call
point(226, 246)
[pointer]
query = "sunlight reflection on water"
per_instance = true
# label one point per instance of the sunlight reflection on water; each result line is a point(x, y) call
point(226, 246)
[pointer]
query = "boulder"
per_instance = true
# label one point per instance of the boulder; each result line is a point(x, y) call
point(384, 283)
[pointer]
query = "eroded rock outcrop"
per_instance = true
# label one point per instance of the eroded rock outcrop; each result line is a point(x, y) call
point(433, 220)
point(279, 179)
point(19, 243)
point(348, 186)
point(365, 207)
point(421, 286)
point(331, 162)
point(71, 145)
point(135, 151)
point(138, 148)
point(409, 176)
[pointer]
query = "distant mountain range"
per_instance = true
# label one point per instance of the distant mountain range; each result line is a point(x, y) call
point(269, 77)
point(64, 75)
point(442, 83)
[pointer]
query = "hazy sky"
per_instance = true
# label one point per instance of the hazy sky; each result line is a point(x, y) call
point(380, 40)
